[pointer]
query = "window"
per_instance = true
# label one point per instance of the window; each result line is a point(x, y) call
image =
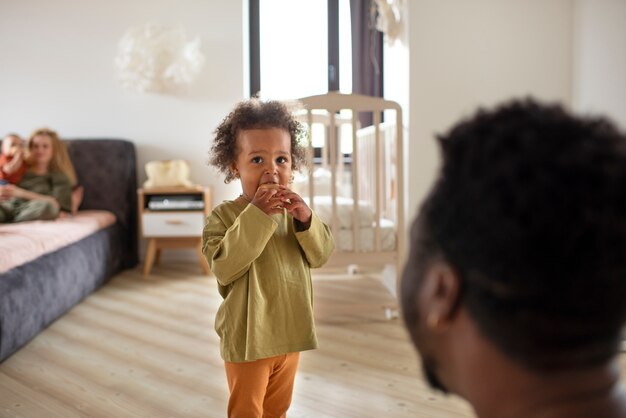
point(300, 47)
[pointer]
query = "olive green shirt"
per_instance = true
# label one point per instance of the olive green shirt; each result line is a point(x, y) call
point(55, 184)
point(262, 266)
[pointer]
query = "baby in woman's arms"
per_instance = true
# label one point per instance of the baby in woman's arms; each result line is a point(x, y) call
point(12, 164)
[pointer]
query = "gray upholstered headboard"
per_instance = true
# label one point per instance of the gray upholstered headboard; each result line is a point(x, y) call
point(107, 169)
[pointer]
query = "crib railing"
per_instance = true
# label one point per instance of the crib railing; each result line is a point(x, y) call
point(379, 153)
point(375, 169)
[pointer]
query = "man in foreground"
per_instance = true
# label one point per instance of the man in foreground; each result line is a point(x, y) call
point(515, 288)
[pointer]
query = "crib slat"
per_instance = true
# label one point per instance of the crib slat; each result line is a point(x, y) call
point(356, 224)
point(400, 209)
point(332, 143)
point(378, 187)
point(309, 159)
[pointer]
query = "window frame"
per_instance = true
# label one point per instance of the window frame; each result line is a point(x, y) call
point(255, 46)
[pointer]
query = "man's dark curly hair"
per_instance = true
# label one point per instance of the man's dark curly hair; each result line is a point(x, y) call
point(255, 114)
point(529, 209)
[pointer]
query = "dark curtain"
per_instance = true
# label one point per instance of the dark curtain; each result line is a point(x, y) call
point(367, 53)
point(255, 48)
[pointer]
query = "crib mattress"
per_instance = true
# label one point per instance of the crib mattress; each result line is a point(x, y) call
point(25, 241)
point(367, 238)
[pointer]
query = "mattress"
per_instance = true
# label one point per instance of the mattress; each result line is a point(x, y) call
point(25, 241)
point(323, 206)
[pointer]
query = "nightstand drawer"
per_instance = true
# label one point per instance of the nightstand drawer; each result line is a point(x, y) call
point(173, 224)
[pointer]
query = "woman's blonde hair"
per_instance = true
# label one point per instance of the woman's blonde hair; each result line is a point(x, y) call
point(60, 158)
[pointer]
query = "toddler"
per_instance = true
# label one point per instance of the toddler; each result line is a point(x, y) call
point(261, 247)
point(12, 164)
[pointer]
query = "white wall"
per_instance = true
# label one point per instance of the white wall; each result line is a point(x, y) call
point(57, 70)
point(469, 53)
point(600, 58)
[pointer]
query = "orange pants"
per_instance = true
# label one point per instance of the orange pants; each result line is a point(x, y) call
point(261, 388)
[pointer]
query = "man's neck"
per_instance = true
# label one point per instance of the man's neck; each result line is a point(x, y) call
point(516, 392)
point(505, 388)
point(607, 403)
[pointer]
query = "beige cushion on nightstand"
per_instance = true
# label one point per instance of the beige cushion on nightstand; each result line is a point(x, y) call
point(167, 173)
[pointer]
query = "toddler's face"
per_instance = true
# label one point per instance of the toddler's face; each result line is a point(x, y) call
point(10, 145)
point(263, 156)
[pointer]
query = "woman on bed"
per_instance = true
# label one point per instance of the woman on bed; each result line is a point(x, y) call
point(45, 191)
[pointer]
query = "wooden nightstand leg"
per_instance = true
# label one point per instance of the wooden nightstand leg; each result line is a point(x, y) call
point(203, 263)
point(150, 253)
point(157, 259)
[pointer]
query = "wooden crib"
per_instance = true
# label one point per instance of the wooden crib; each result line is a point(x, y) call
point(354, 177)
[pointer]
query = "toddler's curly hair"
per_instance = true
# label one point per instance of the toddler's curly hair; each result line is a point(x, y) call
point(255, 114)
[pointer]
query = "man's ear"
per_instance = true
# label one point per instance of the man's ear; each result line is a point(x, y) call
point(440, 295)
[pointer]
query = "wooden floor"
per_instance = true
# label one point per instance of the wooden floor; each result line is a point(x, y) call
point(146, 348)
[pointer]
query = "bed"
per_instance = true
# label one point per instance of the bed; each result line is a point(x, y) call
point(47, 267)
point(353, 177)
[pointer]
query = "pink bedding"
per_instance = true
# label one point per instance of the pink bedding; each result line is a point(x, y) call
point(25, 241)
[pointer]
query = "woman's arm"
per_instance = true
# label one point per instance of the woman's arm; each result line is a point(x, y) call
point(10, 190)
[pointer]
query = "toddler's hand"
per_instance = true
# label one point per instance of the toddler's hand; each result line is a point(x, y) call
point(295, 205)
point(266, 200)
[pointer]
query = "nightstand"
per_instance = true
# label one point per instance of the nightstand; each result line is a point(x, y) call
point(173, 217)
